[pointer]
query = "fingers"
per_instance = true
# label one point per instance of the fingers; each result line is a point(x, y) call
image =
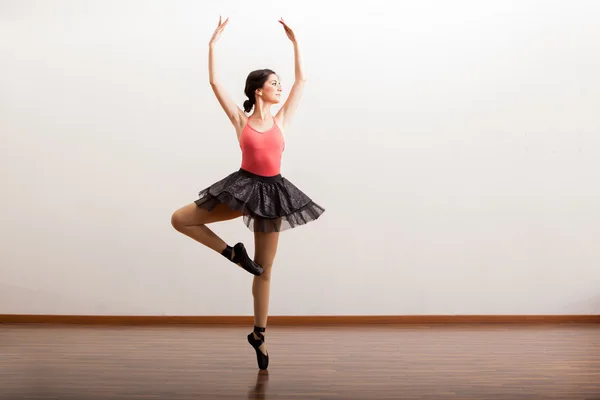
point(221, 22)
point(285, 26)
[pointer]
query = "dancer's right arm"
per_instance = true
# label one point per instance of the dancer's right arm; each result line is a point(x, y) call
point(234, 113)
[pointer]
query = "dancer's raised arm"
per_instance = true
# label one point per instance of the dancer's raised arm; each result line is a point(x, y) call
point(234, 113)
point(289, 108)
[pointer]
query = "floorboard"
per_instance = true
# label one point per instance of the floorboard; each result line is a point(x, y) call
point(334, 362)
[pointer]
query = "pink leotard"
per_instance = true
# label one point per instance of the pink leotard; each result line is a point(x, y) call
point(262, 151)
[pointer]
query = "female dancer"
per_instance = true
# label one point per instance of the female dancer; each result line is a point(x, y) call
point(267, 201)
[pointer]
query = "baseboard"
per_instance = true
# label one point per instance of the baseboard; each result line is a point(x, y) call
point(297, 320)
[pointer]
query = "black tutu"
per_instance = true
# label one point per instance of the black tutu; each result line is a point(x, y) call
point(268, 204)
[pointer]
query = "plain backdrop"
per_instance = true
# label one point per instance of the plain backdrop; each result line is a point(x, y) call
point(454, 144)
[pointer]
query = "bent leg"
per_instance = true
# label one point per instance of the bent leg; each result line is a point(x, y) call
point(191, 220)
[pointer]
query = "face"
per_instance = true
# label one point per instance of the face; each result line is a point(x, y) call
point(271, 90)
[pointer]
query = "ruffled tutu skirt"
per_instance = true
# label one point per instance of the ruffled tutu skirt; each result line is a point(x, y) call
point(268, 203)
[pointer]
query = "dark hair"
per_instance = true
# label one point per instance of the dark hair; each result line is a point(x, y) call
point(255, 80)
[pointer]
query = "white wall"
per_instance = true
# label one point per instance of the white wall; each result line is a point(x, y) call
point(455, 146)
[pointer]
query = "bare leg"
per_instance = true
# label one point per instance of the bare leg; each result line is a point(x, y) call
point(264, 254)
point(191, 220)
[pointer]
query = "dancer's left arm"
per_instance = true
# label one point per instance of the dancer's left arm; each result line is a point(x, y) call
point(291, 104)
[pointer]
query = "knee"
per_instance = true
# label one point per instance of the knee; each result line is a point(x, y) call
point(177, 220)
point(262, 281)
point(266, 275)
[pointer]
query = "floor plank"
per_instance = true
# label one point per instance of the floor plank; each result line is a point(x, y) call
point(334, 362)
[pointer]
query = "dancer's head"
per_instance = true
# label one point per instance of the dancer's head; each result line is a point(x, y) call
point(262, 85)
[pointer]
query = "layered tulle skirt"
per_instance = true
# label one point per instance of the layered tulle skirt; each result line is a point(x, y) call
point(268, 204)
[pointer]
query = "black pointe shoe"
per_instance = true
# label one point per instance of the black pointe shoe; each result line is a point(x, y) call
point(240, 257)
point(262, 359)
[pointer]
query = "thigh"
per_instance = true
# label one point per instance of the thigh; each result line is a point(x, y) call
point(265, 248)
point(191, 214)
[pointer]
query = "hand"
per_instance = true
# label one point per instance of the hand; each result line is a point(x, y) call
point(288, 31)
point(218, 31)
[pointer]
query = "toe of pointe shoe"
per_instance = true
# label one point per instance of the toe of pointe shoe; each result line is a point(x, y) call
point(261, 359)
point(247, 263)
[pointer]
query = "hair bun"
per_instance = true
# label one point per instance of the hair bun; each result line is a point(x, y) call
point(248, 105)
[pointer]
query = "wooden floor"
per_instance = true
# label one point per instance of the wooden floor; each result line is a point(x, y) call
point(372, 362)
